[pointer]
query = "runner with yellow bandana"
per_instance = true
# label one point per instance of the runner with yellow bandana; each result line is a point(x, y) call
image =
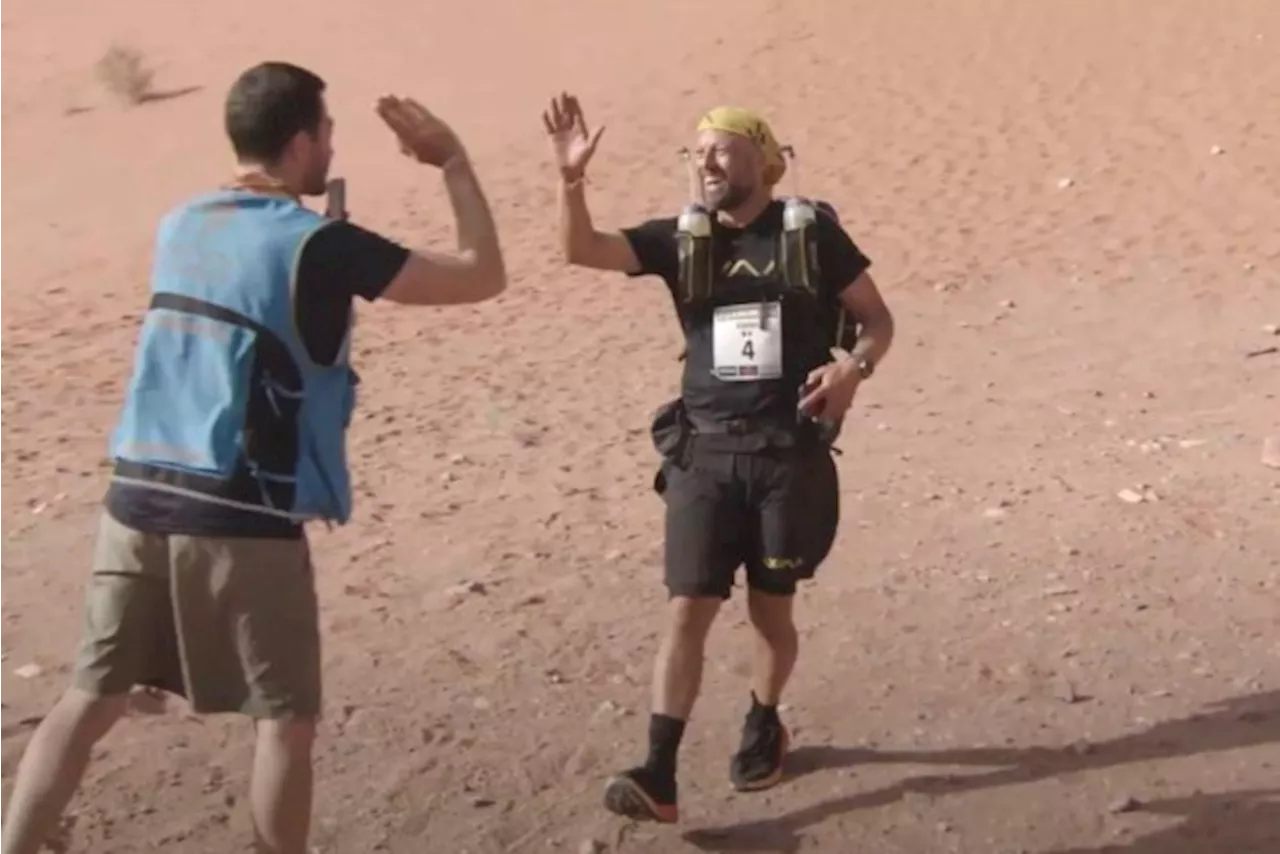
point(782, 323)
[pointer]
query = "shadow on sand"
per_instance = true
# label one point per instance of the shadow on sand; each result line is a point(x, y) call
point(1237, 823)
point(149, 98)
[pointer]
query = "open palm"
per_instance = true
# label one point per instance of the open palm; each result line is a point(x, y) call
point(571, 141)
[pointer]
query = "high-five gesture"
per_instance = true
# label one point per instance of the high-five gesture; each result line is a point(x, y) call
point(571, 141)
point(422, 135)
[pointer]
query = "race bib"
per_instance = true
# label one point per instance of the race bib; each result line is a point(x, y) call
point(748, 342)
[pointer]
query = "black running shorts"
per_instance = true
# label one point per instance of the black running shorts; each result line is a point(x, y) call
point(774, 512)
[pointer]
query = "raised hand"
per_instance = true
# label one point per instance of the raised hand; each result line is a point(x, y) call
point(571, 142)
point(421, 134)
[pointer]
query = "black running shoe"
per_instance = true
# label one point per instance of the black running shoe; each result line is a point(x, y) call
point(642, 794)
point(758, 763)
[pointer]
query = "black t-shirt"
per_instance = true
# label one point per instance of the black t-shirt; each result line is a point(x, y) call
point(339, 262)
point(748, 270)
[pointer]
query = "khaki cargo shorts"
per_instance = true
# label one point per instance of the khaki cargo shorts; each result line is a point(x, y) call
point(231, 624)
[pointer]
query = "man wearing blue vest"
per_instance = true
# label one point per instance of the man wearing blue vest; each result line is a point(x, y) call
point(232, 436)
point(782, 323)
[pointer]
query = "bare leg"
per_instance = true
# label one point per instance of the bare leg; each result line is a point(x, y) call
point(648, 792)
point(758, 762)
point(777, 644)
point(677, 672)
point(280, 791)
point(53, 765)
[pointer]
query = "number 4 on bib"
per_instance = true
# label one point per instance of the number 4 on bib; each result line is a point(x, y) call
point(748, 342)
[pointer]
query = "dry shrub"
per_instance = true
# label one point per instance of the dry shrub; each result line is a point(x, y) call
point(125, 74)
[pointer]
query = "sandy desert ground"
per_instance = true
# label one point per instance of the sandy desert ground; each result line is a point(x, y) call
point(1073, 209)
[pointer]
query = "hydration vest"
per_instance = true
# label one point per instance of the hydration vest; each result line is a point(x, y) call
point(797, 258)
point(225, 403)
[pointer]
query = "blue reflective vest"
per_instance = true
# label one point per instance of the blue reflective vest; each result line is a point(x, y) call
point(225, 404)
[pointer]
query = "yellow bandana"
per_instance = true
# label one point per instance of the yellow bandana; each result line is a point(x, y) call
point(748, 123)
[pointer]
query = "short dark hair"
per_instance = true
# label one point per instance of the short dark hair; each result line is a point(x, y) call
point(268, 105)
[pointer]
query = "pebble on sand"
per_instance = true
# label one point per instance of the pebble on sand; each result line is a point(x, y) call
point(1271, 452)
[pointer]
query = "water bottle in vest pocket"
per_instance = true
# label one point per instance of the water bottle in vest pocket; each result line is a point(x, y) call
point(693, 249)
point(799, 249)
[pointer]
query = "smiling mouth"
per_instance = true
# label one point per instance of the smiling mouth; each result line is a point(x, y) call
point(713, 183)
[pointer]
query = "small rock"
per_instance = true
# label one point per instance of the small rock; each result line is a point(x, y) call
point(1187, 444)
point(995, 513)
point(1008, 303)
point(1271, 452)
point(468, 587)
point(1060, 590)
point(1129, 496)
point(29, 671)
point(1065, 183)
point(582, 761)
point(482, 802)
point(1216, 150)
point(458, 459)
point(481, 704)
point(214, 779)
point(1065, 690)
point(1125, 804)
point(591, 846)
point(613, 555)
point(1272, 328)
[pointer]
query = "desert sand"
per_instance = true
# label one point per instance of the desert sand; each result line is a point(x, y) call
point(1051, 623)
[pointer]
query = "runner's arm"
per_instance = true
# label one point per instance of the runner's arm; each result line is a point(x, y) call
point(847, 268)
point(863, 301)
point(476, 272)
point(583, 246)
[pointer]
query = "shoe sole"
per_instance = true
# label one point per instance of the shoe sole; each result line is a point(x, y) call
point(773, 779)
point(625, 797)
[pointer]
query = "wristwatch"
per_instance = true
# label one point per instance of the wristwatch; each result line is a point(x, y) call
point(866, 367)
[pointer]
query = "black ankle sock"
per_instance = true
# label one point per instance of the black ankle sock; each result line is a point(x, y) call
point(665, 733)
point(767, 714)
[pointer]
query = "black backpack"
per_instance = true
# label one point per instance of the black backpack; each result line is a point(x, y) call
point(797, 253)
